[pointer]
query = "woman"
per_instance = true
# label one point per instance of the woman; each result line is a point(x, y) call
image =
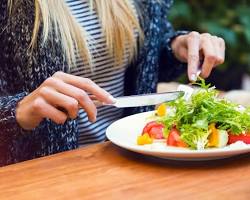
point(57, 56)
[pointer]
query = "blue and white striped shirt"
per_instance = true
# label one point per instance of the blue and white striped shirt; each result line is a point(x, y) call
point(105, 74)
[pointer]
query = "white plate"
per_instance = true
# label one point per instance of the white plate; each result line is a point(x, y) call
point(124, 133)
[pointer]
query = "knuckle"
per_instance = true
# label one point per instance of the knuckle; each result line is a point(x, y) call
point(81, 96)
point(222, 42)
point(43, 91)
point(206, 35)
point(38, 104)
point(212, 58)
point(221, 60)
point(193, 57)
point(89, 107)
point(72, 105)
point(194, 34)
point(221, 39)
point(58, 74)
point(50, 81)
point(190, 39)
point(215, 38)
point(88, 81)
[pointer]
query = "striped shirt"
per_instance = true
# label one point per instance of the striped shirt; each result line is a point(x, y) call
point(105, 74)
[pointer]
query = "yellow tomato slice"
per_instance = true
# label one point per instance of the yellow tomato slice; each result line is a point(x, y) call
point(161, 110)
point(214, 136)
point(144, 139)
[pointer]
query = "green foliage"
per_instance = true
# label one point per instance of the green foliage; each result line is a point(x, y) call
point(228, 19)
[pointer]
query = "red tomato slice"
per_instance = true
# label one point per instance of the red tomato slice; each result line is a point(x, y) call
point(148, 126)
point(154, 129)
point(157, 132)
point(174, 139)
point(242, 137)
point(181, 144)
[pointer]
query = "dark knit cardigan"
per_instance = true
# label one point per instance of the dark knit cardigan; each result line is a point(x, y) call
point(22, 71)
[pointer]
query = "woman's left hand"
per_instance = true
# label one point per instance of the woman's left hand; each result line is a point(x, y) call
point(195, 48)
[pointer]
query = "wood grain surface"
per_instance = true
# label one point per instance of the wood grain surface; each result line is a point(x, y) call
point(105, 171)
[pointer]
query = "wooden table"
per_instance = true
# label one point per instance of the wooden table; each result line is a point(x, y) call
point(105, 171)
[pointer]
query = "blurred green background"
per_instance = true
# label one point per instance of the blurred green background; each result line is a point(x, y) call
point(228, 19)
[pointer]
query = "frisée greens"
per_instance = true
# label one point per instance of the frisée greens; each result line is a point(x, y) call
point(195, 117)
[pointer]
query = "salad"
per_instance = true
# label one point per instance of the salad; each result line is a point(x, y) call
point(203, 121)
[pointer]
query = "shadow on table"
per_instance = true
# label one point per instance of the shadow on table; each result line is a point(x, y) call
point(150, 160)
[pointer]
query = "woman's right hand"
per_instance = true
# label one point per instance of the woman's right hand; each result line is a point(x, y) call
point(60, 92)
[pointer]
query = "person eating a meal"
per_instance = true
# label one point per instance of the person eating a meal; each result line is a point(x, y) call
point(58, 57)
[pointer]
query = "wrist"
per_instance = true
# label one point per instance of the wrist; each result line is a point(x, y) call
point(23, 117)
point(19, 117)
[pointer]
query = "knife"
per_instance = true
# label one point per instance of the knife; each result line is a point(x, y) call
point(144, 99)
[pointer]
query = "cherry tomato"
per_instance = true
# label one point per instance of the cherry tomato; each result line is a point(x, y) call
point(242, 137)
point(180, 143)
point(173, 136)
point(154, 129)
point(148, 126)
point(157, 132)
point(174, 139)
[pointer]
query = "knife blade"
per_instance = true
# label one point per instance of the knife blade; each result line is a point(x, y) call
point(146, 99)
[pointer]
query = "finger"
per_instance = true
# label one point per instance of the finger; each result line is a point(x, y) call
point(220, 53)
point(193, 43)
point(95, 101)
point(222, 47)
point(81, 96)
point(210, 57)
point(60, 100)
point(179, 47)
point(78, 94)
point(45, 110)
point(86, 85)
point(216, 50)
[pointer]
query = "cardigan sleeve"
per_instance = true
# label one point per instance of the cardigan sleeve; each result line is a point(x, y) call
point(21, 72)
point(8, 124)
point(169, 66)
point(9, 127)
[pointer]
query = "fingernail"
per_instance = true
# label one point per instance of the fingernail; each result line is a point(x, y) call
point(93, 120)
point(198, 73)
point(193, 77)
point(112, 99)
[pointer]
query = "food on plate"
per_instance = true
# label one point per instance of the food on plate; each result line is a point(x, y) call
point(161, 110)
point(242, 137)
point(200, 122)
point(144, 139)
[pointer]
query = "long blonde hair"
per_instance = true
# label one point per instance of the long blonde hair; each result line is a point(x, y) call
point(117, 17)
